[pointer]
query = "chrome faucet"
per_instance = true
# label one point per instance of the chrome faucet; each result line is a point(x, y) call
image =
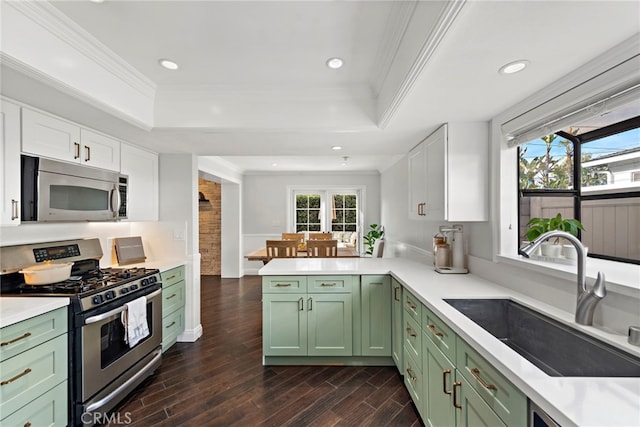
point(587, 300)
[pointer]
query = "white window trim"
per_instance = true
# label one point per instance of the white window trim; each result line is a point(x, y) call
point(622, 277)
point(360, 190)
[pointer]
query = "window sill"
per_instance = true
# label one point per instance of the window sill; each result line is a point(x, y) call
point(621, 278)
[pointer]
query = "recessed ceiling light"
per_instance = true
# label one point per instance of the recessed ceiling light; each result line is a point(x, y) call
point(335, 63)
point(336, 147)
point(96, 1)
point(274, 164)
point(514, 67)
point(168, 64)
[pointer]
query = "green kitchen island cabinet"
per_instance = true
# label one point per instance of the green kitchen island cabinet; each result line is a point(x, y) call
point(173, 303)
point(375, 309)
point(307, 316)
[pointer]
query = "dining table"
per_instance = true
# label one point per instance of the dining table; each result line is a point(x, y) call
point(261, 254)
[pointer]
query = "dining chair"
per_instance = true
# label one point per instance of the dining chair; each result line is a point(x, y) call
point(322, 248)
point(320, 236)
point(282, 249)
point(378, 248)
point(298, 237)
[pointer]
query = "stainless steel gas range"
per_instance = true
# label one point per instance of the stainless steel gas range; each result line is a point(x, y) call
point(103, 368)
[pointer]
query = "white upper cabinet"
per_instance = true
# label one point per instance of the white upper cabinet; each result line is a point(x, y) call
point(48, 136)
point(448, 174)
point(142, 192)
point(10, 161)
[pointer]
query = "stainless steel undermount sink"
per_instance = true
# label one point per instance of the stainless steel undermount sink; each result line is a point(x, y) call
point(555, 348)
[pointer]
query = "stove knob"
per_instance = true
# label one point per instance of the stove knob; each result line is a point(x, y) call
point(153, 279)
point(124, 290)
point(133, 287)
point(110, 295)
point(144, 282)
point(98, 299)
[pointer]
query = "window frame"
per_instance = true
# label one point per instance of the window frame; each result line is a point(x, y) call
point(576, 192)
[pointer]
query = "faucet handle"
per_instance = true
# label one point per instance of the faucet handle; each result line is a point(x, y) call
point(599, 288)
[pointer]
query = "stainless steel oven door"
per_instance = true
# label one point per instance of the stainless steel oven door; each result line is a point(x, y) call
point(73, 198)
point(105, 355)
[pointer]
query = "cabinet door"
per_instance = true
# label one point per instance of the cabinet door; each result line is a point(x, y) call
point(417, 181)
point(47, 136)
point(396, 323)
point(99, 150)
point(142, 193)
point(330, 327)
point(376, 315)
point(284, 324)
point(440, 375)
point(475, 412)
point(10, 161)
point(434, 208)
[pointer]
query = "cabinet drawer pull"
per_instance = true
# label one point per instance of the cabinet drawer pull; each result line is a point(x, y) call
point(26, 335)
point(15, 214)
point(395, 293)
point(411, 305)
point(282, 285)
point(327, 284)
point(434, 331)
point(170, 324)
point(77, 153)
point(301, 304)
point(88, 151)
point(455, 394)
point(444, 381)
point(476, 373)
point(170, 277)
point(410, 332)
point(171, 296)
point(20, 375)
point(27, 424)
point(411, 374)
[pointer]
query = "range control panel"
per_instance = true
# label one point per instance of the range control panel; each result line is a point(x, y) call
point(57, 252)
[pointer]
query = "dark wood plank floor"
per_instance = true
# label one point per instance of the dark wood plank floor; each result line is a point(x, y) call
point(220, 381)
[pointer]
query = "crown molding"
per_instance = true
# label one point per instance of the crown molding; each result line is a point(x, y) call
point(394, 31)
point(50, 18)
point(35, 74)
point(447, 16)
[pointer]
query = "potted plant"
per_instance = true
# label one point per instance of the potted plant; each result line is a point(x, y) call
point(375, 232)
point(539, 226)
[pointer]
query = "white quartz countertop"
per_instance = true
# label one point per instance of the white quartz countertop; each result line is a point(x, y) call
point(17, 309)
point(571, 401)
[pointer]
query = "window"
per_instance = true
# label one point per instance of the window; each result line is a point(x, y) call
point(326, 210)
point(605, 160)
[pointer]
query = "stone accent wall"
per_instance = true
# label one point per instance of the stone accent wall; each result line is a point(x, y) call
point(210, 231)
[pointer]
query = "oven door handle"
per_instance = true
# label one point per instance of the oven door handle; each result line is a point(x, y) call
point(99, 317)
point(108, 398)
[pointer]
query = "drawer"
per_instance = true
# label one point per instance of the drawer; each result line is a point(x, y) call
point(413, 380)
point(33, 372)
point(503, 397)
point(172, 326)
point(412, 338)
point(330, 284)
point(172, 276)
point(412, 305)
point(284, 284)
point(50, 409)
point(24, 335)
point(172, 297)
point(438, 332)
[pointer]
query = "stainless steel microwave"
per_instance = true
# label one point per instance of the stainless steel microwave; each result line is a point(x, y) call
point(58, 191)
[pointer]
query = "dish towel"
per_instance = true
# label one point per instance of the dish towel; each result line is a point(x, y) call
point(134, 320)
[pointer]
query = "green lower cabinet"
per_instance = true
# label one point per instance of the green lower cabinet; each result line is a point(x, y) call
point(440, 375)
point(396, 324)
point(50, 409)
point(475, 412)
point(413, 380)
point(307, 325)
point(376, 315)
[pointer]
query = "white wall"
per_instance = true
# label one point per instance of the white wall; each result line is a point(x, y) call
point(264, 203)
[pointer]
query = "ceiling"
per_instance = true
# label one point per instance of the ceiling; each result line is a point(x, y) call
point(252, 84)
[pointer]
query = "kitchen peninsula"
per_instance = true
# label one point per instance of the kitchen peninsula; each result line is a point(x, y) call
point(569, 400)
